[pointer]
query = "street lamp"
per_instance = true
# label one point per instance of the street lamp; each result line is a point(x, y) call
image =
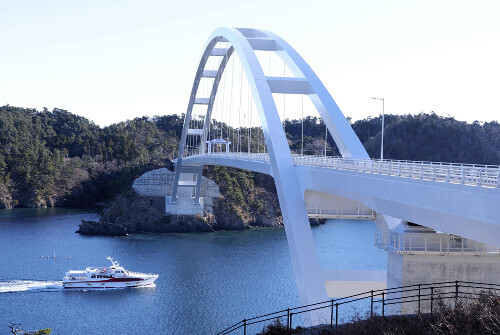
point(382, 145)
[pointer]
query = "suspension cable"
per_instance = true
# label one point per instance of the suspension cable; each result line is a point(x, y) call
point(249, 119)
point(224, 83)
point(326, 135)
point(231, 103)
point(239, 109)
point(302, 121)
point(284, 103)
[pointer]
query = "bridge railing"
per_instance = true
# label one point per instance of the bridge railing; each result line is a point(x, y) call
point(467, 174)
point(419, 298)
point(431, 244)
point(233, 155)
point(318, 211)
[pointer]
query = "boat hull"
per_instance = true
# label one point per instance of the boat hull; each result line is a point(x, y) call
point(149, 281)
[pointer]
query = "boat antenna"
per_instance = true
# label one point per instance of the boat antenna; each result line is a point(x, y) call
point(112, 261)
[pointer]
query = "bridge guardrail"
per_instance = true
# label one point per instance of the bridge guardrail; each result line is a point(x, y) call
point(340, 211)
point(468, 174)
point(422, 297)
point(455, 173)
point(431, 244)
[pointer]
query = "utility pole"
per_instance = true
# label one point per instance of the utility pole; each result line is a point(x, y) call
point(382, 144)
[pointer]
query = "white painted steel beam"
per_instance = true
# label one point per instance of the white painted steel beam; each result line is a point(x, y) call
point(198, 132)
point(289, 85)
point(209, 73)
point(263, 44)
point(252, 33)
point(218, 51)
point(202, 101)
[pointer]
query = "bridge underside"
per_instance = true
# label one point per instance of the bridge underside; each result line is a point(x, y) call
point(410, 192)
point(452, 208)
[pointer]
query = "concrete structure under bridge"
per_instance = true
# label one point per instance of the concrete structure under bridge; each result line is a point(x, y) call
point(457, 203)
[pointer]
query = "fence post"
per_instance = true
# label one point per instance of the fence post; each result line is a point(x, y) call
point(336, 315)
point(383, 304)
point(419, 285)
point(244, 326)
point(456, 292)
point(290, 328)
point(371, 306)
point(331, 316)
point(432, 298)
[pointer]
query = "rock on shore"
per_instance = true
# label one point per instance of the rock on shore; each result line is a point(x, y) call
point(131, 213)
point(246, 200)
point(101, 228)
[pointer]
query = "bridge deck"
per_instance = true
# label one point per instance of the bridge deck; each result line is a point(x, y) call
point(466, 174)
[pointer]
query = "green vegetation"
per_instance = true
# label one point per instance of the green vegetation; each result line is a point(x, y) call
point(470, 317)
point(422, 137)
point(247, 197)
point(55, 158)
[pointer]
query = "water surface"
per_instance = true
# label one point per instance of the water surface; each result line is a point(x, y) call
point(207, 281)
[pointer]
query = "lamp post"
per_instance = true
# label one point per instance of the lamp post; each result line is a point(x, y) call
point(382, 144)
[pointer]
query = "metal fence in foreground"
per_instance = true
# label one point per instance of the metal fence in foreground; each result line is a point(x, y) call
point(420, 298)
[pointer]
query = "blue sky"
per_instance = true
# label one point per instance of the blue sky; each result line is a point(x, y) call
point(114, 60)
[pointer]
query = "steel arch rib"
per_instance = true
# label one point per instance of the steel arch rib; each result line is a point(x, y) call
point(347, 141)
point(305, 261)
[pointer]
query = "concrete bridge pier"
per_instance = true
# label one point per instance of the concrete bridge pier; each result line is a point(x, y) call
point(421, 255)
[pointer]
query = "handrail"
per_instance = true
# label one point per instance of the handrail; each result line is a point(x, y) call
point(454, 173)
point(431, 243)
point(420, 292)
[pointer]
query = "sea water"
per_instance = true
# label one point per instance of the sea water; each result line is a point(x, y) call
point(207, 281)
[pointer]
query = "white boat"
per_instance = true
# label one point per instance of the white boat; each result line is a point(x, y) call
point(113, 277)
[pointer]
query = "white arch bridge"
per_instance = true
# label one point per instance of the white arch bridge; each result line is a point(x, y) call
point(456, 199)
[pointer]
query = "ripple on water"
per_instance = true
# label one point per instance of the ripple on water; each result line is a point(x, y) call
point(12, 286)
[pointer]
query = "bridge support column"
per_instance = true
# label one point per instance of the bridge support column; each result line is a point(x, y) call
point(420, 255)
point(185, 198)
point(305, 261)
point(197, 189)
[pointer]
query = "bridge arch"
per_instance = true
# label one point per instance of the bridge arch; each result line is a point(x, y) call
point(244, 41)
point(307, 270)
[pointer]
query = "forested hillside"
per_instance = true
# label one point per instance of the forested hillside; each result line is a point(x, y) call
point(55, 158)
point(422, 137)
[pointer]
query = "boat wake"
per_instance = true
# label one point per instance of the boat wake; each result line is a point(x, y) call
point(11, 286)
